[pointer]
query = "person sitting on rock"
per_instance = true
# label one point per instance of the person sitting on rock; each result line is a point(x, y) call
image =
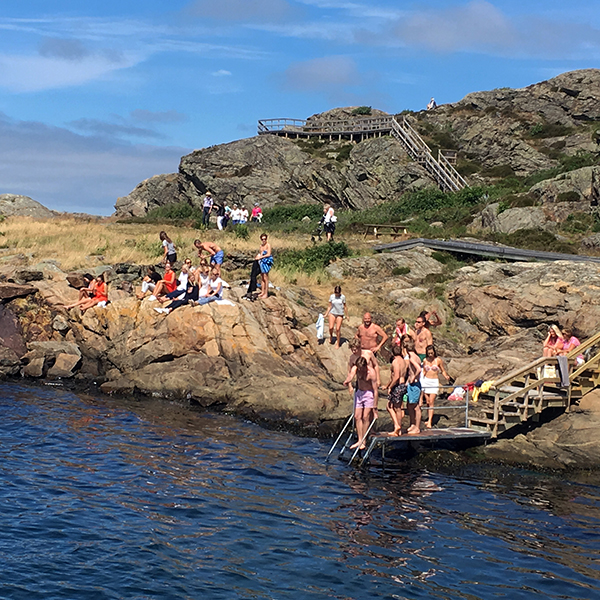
point(182, 283)
point(215, 288)
point(553, 344)
point(166, 285)
point(190, 294)
point(87, 291)
point(149, 282)
point(100, 296)
point(216, 254)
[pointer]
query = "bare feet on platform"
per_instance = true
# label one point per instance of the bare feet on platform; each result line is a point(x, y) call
point(396, 433)
point(354, 446)
point(429, 425)
point(412, 430)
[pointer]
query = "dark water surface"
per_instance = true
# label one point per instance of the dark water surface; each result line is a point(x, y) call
point(106, 499)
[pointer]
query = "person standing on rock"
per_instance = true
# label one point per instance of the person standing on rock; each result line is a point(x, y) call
point(365, 399)
point(207, 206)
point(413, 387)
point(170, 252)
point(397, 389)
point(422, 337)
point(265, 262)
point(336, 311)
point(400, 331)
point(256, 213)
point(216, 254)
point(220, 216)
point(368, 333)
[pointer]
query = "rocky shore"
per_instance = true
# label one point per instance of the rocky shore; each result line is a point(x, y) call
point(262, 360)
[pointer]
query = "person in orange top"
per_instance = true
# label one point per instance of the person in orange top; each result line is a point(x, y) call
point(167, 284)
point(100, 295)
point(554, 341)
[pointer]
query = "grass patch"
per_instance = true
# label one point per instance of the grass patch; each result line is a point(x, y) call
point(312, 259)
point(533, 239)
point(399, 271)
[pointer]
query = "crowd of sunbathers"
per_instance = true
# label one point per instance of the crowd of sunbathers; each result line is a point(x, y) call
point(196, 284)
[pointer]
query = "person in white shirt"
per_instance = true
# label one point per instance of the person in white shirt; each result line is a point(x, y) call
point(329, 220)
point(243, 216)
point(215, 289)
point(336, 313)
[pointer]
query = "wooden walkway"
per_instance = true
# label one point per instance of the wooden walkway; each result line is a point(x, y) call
point(441, 168)
point(488, 250)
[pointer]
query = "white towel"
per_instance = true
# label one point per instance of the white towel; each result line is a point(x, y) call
point(320, 326)
point(225, 302)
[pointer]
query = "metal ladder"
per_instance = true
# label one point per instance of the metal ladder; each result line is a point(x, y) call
point(346, 444)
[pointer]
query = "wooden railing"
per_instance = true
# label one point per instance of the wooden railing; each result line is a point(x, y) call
point(442, 170)
point(520, 402)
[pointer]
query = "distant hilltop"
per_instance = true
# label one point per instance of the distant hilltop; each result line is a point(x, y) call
point(496, 135)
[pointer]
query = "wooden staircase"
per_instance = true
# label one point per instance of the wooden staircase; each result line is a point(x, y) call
point(525, 393)
point(357, 129)
point(441, 169)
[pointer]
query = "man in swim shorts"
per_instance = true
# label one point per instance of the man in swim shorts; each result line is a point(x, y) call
point(365, 399)
point(413, 387)
point(397, 390)
point(368, 333)
point(216, 254)
point(422, 337)
point(357, 352)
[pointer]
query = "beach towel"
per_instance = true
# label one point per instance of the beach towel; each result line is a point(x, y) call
point(320, 327)
point(563, 371)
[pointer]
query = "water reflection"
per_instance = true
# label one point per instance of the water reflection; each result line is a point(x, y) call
point(149, 500)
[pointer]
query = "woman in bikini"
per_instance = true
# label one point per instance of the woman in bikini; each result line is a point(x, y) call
point(554, 341)
point(336, 312)
point(433, 365)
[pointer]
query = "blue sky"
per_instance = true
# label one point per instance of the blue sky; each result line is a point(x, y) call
point(97, 96)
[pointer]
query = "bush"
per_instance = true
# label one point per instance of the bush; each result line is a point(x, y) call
point(344, 152)
point(362, 110)
point(241, 231)
point(544, 129)
point(284, 213)
point(312, 259)
point(398, 271)
point(570, 196)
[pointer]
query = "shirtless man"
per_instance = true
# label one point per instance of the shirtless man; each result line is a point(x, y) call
point(357, 352)
point(397, 389)
point(216, 254)
point(368, 333)
point(422, 337)
point(413, 385)
point(365, 399)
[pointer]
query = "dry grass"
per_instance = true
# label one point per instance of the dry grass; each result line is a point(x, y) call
point(78, 243)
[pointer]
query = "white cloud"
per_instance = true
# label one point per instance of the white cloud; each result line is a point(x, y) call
point(321, 74)
point(23, 73)
point(221, 73)
point(67, 171)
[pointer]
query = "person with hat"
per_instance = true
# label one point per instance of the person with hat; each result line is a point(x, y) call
point(207, 206)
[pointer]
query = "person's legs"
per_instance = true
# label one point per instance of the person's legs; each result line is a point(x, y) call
point(396, 419)
point(338, 329)
point(206, 217)
point(264, 283)
point(331, 326)
point(430, 399)
point(361, 425)
point(206, 300)
point(414, 410)
point(220, 223)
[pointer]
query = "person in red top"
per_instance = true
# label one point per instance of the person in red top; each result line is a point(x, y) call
point(167, 284)
point(100, 295)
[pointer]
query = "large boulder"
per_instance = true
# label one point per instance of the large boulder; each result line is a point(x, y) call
point(10, 364)
point(153, 193)
point(580, 185)
point(13, 205)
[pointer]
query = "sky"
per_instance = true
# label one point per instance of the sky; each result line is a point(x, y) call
point(98, 96)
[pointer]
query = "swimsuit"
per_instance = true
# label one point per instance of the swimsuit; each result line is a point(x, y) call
point(265, 263)
point(364, 399)
point(413, 392)
point(397, 394)
point(217, 258)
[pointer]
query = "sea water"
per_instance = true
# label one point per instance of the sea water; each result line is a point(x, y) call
point(104, 498)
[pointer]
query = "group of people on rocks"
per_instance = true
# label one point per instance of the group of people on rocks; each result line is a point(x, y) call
point(237, 215)
point(414, 373)
point(201, 284)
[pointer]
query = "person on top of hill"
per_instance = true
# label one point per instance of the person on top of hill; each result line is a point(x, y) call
point(207, 206)
point(328, 221)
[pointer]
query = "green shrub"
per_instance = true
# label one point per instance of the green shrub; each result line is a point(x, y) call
point(442, 257)
point(399, 271)
point(362, 110)
point(312, 259)
point(499, 171)
point(343, 152)
point(467, 167)
point(241, 231)
point(543, 129)
point(578, 222)
point(284, 213)
point(533, 239)
point(570, 196)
